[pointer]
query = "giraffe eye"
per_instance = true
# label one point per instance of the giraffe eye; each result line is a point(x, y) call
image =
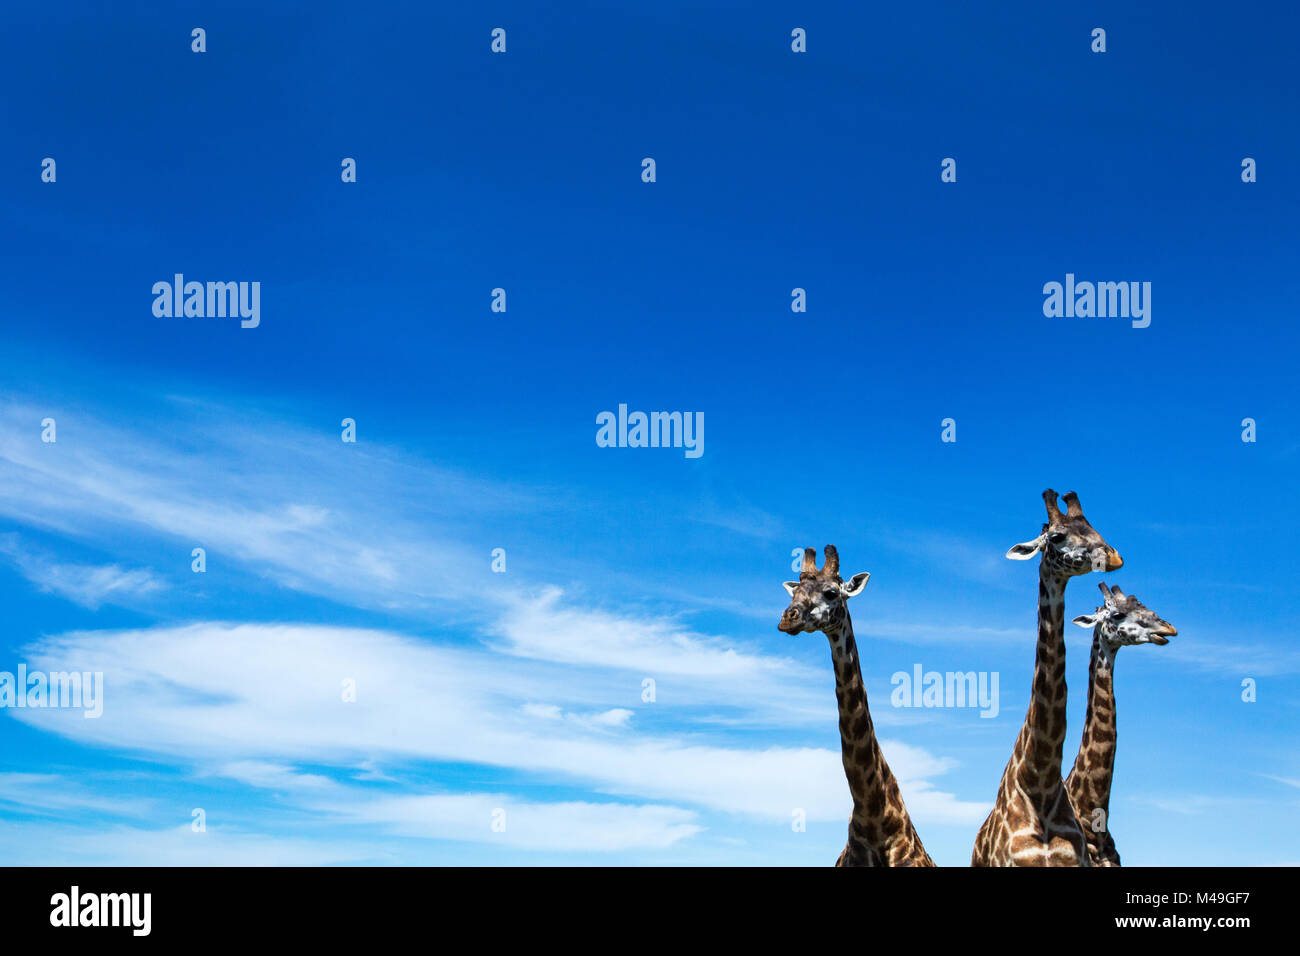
point(830, 592)
point(1118, 617)
point(1056, 537)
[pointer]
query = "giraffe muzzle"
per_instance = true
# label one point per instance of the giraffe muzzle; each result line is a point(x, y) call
point(1165, 632)
point(792, 621)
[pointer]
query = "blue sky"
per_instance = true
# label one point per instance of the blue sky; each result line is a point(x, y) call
point(476, 430)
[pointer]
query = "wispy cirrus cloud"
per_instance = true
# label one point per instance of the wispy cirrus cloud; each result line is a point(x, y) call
point(1237, 658)
point(554, 692)
point(67, 844)
point(542, 627)
point(292, 512)
point(89, 585)
point(573, 826)
point(937, 633)
point(502, 819)
point(287, 506)
point(253, 697)
point(1194, 804)
point(52, 793)
point(616, 717)
point(268, 775)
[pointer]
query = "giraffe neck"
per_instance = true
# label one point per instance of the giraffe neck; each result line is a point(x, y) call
point(878, 815)
point(1043, 734)
point(1089, 782)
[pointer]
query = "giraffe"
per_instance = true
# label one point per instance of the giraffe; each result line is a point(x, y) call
point(1121, 620)
point(1032, 822)
point(880, 831)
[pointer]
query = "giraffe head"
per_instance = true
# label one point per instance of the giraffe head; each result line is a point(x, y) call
point(818, 598)
point(1124, 620)
point(1068, 544)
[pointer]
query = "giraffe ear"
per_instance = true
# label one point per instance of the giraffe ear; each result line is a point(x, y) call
point(1087, 620)
point(854, 585)
point(1025, 550)
point(789, 586)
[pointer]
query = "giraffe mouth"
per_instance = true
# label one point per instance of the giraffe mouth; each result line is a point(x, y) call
point(1162, 633)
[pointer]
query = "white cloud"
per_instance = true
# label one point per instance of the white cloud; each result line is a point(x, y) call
point(53, 793)
point(1193, 804)
point(469, 817)
point(617, 717)
point(966, 635)
point(37, 845)
point(1232, 658)
point(273, 776)
point(542, 627)
point(544, 711)
point(89, 585)
point(285, 504)
point(258, 696)
point(557, 696)
point(287, 507)
point(690, 670)
point(614, 718)
point(573, 826)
